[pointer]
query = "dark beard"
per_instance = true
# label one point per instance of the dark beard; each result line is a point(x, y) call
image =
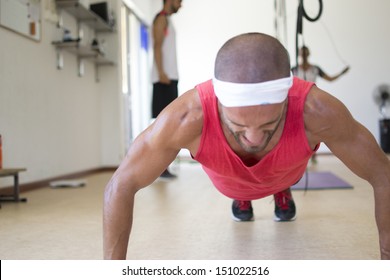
point(254, 149)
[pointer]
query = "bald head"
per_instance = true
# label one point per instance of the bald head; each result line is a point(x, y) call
point(252, 58)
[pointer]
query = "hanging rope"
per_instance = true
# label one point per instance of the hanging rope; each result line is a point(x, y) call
point(302, 13)
point(280, 22)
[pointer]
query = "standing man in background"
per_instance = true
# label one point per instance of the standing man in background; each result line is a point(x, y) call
point(164, 73)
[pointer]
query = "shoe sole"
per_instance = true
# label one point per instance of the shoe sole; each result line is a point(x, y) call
point(239, 220)
point(277, 219)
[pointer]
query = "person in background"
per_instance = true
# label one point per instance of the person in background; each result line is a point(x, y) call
point(165, 76)
point(310, 72)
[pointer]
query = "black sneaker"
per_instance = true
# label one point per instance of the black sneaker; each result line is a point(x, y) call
point(242, 211)
point(166, 175)
point(284, 206)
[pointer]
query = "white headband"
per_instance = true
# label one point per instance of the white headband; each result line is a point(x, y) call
point(240, 95)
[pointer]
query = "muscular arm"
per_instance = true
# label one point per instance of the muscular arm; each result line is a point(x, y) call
point(159, 27)
point(178, 126)
point(328, 120)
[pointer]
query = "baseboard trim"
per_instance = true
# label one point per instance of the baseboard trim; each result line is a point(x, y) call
point(45, 183)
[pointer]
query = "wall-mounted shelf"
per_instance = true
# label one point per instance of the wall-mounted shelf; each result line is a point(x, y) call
point(83, 14)
point(83, 52)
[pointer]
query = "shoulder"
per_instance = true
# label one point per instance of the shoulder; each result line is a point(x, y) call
point(160, 20)
point(319, 102)
point(160, 15)
point(325, 116)
point(180, 124)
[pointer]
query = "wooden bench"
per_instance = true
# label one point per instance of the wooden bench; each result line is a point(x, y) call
point(5, 172)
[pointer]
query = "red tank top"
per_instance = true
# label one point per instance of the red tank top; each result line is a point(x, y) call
point(281, 168)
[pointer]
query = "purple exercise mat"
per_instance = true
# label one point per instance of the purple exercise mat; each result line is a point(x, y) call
point(321, 181)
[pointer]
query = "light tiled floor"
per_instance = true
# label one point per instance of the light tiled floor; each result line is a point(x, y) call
point(188, 219)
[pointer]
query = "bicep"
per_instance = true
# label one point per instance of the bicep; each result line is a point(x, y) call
point(359, 151)
point(349, 140)
point(159, 28)
point(178, 126)
point(146, 159)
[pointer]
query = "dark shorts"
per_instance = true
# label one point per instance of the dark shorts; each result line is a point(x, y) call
point(163, 95)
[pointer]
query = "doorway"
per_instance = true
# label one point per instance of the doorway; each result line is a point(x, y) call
point(136, 83)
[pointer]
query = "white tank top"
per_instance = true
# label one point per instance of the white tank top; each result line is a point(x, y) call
point(168, 55)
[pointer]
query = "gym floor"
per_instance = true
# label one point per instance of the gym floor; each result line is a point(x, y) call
point(188, 219)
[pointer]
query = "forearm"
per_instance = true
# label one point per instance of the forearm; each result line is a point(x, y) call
point(158, 60)
point(382, 214)
point(117, 220)
point(332, 78)
point(362, 155)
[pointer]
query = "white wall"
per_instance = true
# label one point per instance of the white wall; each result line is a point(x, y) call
point(358, 29)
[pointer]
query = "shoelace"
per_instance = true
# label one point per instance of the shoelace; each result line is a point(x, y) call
point(243, 205)
point(282, 199)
